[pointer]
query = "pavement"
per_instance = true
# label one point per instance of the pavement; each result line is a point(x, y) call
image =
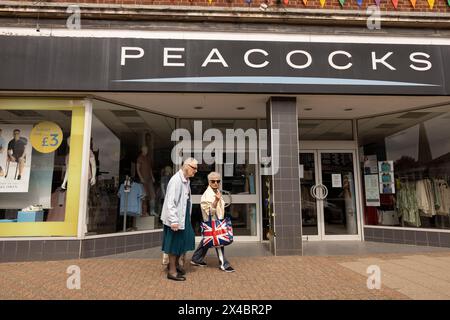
point(414, 274)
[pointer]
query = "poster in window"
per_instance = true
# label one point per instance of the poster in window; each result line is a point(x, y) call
point(372, 191)
point(386, 177)
point(370, 164)
point(15, 158)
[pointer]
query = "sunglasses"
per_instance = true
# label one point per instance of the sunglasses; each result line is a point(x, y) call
point(215, 181)
point(195, 168)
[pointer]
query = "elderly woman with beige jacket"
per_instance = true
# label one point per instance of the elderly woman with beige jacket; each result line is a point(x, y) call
point(212, 204)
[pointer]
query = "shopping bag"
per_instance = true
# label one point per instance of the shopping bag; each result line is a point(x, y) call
point(217, 233)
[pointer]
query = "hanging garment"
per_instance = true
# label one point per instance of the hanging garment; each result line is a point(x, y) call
point(425, 197)
point(132, 205)
point(443, 192)
point(407, 204)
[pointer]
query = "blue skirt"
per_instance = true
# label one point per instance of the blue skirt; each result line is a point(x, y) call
point(179, 242)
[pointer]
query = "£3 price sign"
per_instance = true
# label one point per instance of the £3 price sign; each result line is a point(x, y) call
point(46, 137)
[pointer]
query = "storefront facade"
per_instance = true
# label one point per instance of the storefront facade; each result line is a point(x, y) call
point(361, 152)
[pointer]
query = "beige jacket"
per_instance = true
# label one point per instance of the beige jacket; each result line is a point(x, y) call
point(207, 200)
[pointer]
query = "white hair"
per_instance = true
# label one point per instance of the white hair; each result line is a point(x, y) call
point(189, 161)
point(213, 174)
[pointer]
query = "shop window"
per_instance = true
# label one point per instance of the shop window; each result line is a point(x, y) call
point(128, 146)
point(39, 176)
point(405, 161)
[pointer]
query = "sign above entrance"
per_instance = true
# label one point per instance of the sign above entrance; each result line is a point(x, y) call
point(156, 65)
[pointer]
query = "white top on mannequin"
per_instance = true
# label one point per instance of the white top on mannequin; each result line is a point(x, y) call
point(92, 167)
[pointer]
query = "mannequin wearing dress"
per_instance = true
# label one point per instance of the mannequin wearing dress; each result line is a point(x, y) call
point(145, 173)
point(92, 168)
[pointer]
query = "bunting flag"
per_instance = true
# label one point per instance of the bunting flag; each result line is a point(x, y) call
point(322, 3)
point(286, 2)
point(342, 2)
point(305, 2)
point(210, 1)
point(448, 1)
point(248, 1)
point(431, 3)
point(359, 2)
point(395, 3)
point(413, 2)
point(378, 2)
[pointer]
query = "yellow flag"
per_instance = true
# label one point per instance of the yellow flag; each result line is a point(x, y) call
point(322, 3)
point(413, 2)
point(305, 2)
point(210, 1)
point(431, 3)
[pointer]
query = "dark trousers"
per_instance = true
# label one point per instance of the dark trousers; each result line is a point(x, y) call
point(201, 251)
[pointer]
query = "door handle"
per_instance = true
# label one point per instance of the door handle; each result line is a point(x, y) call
point(315, 194)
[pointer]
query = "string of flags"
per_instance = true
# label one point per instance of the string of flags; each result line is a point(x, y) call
point(431, 3)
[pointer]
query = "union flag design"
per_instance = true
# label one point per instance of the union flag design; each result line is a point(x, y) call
point(217, 233)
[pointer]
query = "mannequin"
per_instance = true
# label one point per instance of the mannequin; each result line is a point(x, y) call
point(92, 168)
point(145, 173)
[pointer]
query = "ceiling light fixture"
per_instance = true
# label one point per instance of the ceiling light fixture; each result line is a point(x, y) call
point(198, 108)
point(348, 109)
point(240, 108)
point(307, 109)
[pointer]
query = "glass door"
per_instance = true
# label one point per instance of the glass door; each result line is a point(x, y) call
point(308, 182)
point(328, 194)
point(338, 200)
point(239, 185)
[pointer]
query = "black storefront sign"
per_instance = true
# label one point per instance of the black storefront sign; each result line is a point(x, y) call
point(163, 65)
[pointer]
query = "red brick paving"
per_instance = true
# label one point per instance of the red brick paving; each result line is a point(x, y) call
point(256, 278)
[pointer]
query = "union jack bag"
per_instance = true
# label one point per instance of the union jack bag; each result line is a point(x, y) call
point(217, 233)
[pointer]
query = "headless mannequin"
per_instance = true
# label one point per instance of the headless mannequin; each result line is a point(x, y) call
point(144, 171)
point(92, 168)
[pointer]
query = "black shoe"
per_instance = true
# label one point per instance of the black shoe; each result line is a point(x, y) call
point(229, 269)
point(178, 277)
point(199, 264)
point(18, 177)
point(181, 271)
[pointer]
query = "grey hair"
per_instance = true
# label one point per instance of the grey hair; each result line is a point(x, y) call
point(213, 174)
point(189, 161)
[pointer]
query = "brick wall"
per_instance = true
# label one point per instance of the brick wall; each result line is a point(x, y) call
point(385, 5)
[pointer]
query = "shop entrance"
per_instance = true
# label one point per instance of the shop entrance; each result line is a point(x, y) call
point(329, 195)
point(239, 185)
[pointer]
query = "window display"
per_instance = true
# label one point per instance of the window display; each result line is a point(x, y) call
point(413, 168)
point(132, 153)
point(30, 177)
point(33, 152)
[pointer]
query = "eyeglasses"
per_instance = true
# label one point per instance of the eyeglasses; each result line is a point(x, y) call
point(215, 181)
point(195, 168)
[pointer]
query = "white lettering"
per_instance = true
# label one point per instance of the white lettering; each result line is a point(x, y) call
point(428, 64)
point(335, 66)
point(252, 65)
point(295, 66)
point(124, 55)
point(168, 56)
point(382, 60)
point(219, 58)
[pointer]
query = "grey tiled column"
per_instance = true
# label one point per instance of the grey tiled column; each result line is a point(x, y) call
point(282, 115)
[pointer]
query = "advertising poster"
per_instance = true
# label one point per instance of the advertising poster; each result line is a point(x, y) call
point(386, 177)
point(15, 157)
point(372, 190)
point(370, 164)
